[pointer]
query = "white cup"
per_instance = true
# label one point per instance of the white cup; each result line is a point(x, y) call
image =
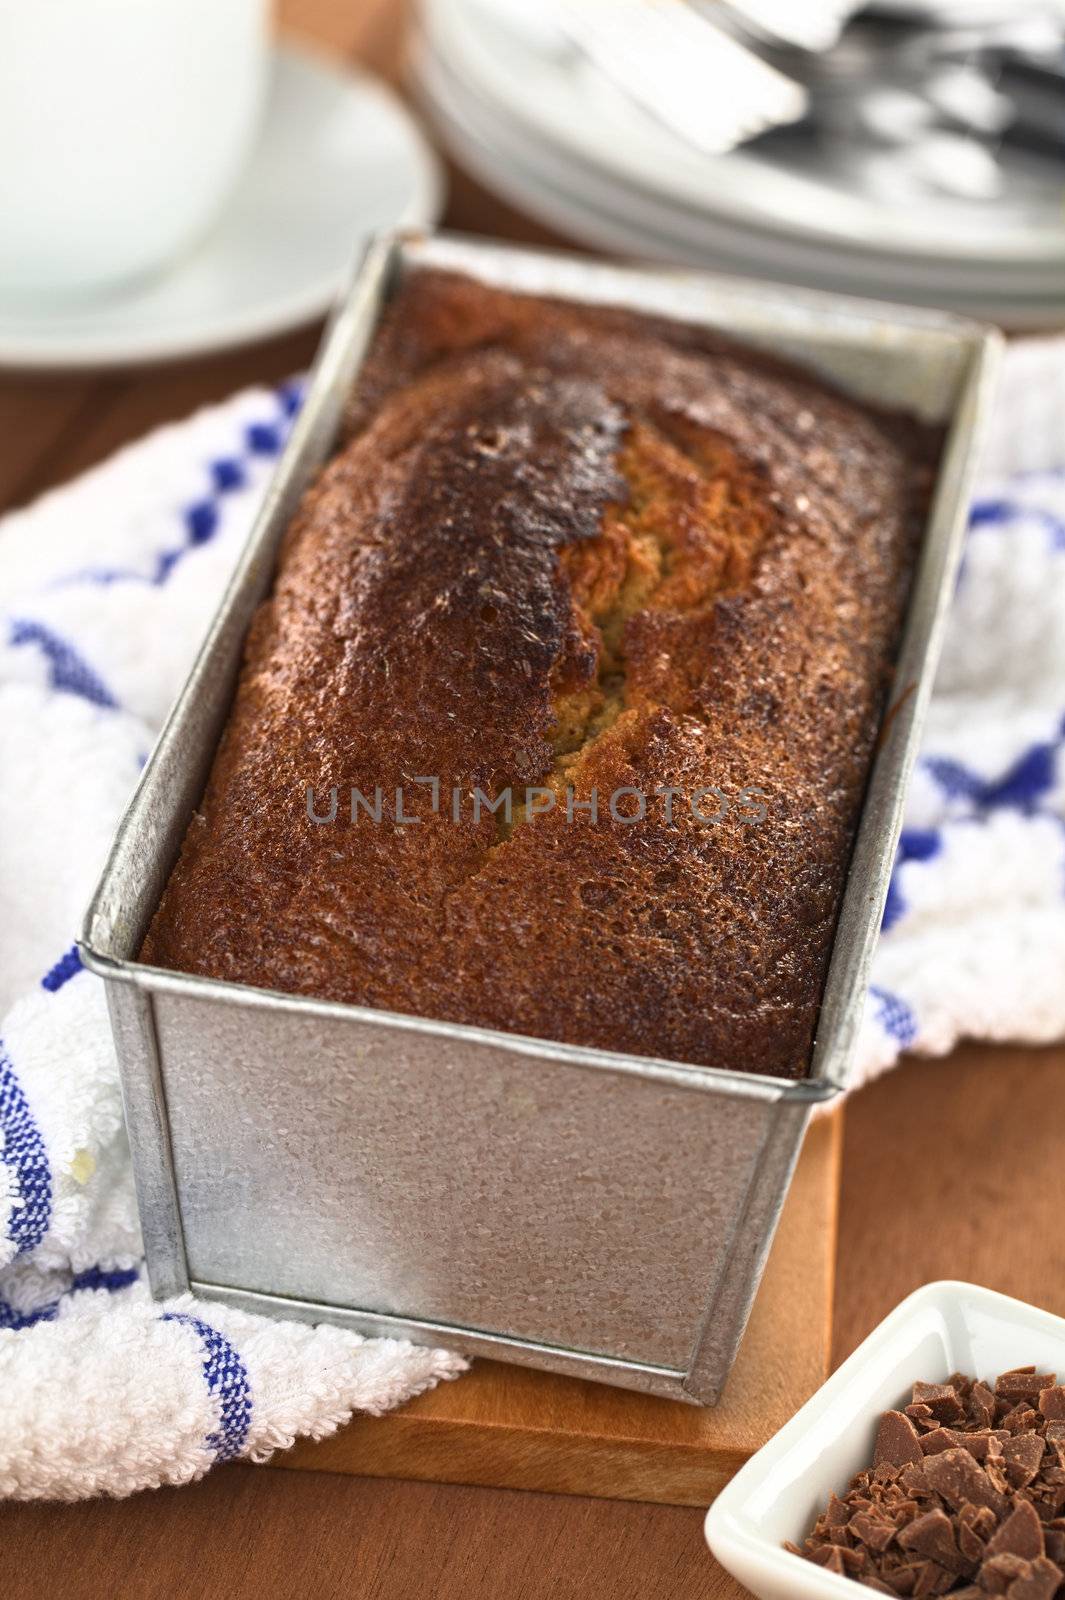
point(124, 125)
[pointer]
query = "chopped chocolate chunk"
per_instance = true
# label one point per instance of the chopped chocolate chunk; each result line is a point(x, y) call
point(1041, 1583)
point(981, 1405)
point(1021, 1534)
point(896, 1441)
point(959, 1479)
point(994, 1465)
point(942, 1439)
point(1052, 1402)
point(1023, 1454)
point(875, 1532)
point(932, 1579)
point(1020, 1417)
point(912, 1478)
point(975, 1442)
point(933, 1535)
point(998, 1573)
point(969, 1543)
point(1055, 1543)
point(1024, 1383)
point(837, 1514)
point(941, 1399)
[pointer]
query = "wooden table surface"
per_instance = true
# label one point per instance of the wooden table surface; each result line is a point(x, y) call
point(938, 1158)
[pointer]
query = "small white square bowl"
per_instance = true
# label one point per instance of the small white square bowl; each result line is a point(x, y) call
point(940, 1329)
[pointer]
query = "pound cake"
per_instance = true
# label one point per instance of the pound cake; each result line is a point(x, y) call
point(559, 715)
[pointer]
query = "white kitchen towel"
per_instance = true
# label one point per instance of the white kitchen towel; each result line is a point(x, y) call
point(105, 588)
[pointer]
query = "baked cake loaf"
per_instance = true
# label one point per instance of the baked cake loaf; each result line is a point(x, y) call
point(563, 550)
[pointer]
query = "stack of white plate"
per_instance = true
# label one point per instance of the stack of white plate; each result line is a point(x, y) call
point(533, 120)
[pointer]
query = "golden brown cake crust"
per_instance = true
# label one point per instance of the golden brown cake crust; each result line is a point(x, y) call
point(572, 549)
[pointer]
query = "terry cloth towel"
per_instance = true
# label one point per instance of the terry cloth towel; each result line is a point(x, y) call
point(105, 588)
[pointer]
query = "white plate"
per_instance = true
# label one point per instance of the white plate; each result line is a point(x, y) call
point(339, 158)
point(550, 98)
point(712, 236)
point(943, 1328)
point(616, 221)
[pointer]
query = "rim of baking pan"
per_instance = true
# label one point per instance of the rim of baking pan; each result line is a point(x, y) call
point(869, 870)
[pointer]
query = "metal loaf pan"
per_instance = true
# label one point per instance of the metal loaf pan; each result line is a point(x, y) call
point(567, 1208)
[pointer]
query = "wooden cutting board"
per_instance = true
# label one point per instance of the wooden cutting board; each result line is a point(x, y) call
point(512, 1428)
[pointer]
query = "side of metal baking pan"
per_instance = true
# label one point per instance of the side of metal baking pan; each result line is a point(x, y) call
point(566, 1208)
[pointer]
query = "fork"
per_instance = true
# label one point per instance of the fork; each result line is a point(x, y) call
point(673, 62)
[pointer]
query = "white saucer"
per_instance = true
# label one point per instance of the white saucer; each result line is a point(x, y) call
point(339, 158)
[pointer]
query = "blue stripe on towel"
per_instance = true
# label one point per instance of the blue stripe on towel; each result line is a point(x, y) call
point(291, 395)
point(67, 967)
point(110, 1278)
point(227, 1377)
point(894, 1015)
point(1020, 788)
point(915, 844)
point(67, 670)
point(202, 518)
point(227, 473)
point(264, 439)
point(22, 1151)
point(92, 1278)
point(1002, 513)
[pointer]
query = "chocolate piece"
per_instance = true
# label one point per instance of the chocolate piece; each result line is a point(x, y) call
point(1020, 1535)
point(897, 1441)
point(942, 1439)
point(981, 1405)
point(1023, 1453)
point(933, 1535)
point(1023, 1383)
point(932, 1579)
point(876, 1532)
point(975, 1526)
point(1052, 1402)
point(1039, 1583)
point(994, 1465)
point(998, 1573)
point(912, 1479)
point(1020, 1417)
point(1055, 1545)
point(954, 1439)
point(941, 1399)
point(837, 1514)
point(959, 1479)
